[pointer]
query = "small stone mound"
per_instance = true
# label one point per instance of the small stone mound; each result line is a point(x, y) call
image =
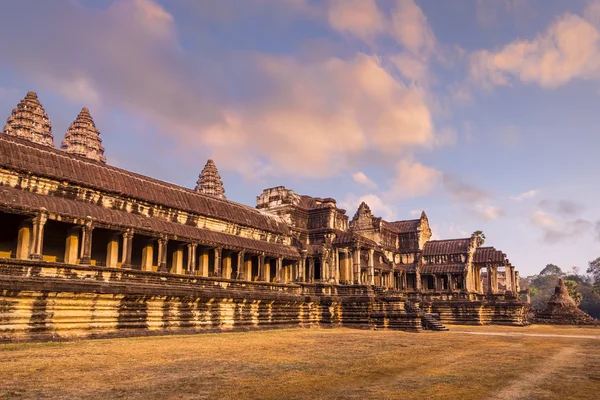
point(562, 310)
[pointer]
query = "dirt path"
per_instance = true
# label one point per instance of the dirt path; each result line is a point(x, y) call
point(557, 335)
point(525, 386)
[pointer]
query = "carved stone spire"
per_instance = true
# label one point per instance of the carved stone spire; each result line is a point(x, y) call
point(30, 121)
point(83, 138)
point(210, 181)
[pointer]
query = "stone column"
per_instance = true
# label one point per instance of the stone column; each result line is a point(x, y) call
point(279, 270)
point(226, 267)
point(324, 271)
point(203, 263)
point(127, 248)
point(371, 277)
point(356, 272)
point(490, 286)
point(37, 241)
point(302, 268)
point(148, 255)
point(112, 251)
point(311, 270)
point(86, 243)
point(248, 266)
point(24, 240)
point(241, 266)
point(336, 274)
point(191, 260)
point(450, 287)
point(72, 245)
point(404, 281)
point(162, 254)
point(261, 267)
point(217, 262)
point(177, 260)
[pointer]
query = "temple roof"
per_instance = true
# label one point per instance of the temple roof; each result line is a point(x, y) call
point(443, 268)
point(209, 182)
point(48, 162)
point(488, 254)
point(411, 225)
point(442, 247)
point(30, 121)
point(32, 202)
point(83, 138)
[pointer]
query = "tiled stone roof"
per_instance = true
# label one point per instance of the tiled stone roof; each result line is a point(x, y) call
point(488, 254)
point(443, 247)
point(411, 225)
point(21, 155)
point(29, 202)
point(443, 269)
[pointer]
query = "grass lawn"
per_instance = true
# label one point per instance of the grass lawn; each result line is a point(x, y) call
point(311, 364)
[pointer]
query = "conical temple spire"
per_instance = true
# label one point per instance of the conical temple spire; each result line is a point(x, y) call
point(210, 181)
point(30, 121)
point(83, 138)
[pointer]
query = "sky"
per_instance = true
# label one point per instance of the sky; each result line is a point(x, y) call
point(482, 113)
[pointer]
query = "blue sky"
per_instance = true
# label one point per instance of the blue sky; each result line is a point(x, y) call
point(482, 113)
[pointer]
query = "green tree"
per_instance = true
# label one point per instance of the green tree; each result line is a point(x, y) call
point(594, 271)
point(572, 288)
point(552, 270)
point(480, 236)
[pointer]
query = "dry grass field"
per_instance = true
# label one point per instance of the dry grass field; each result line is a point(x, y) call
point(313, 364)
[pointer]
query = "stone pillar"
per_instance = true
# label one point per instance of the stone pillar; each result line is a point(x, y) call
point(241, 266)
point(311, 270)
point(177, 260)
point(418, 282)
point(356, 270)
point(371, 276)
point(72, 245)
point(148, 255)
point(203, 263)
point(324, 269)
point(490, 287)
point(450, 287)
point(127, 248)
point(226, 265)
point(112, 251)
point(162, 254)
point(37, 241)
point(24, 240)
point(404, 281)
point(248, 273)
point(191, 259)
point(86, 243)
point(217, 262)
point(302, 269)
point(261, 267)
point(279, 270)
point(336, 274)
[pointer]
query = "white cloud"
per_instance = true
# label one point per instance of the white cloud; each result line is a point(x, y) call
point(567, 50)
point(360, 177)
point(378, 207)
point(488, 212)
point(525, 195)
point(361, 18)
point(413, 179)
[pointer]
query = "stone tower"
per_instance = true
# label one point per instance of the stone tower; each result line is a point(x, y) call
point(83, 138)
point(210, 181)
point(30, 121)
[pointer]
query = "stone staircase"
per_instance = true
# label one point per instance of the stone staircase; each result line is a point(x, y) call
point(430, 322)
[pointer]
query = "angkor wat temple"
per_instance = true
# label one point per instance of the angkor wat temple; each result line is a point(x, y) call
point(91, 250)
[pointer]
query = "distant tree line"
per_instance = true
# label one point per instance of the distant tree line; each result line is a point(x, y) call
point(583, 288)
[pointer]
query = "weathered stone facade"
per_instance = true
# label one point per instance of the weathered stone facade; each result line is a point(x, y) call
point(90, 250)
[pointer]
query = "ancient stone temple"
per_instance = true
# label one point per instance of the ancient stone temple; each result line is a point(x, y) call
point(29, 121)
point(83, 138)
point(562, 309)
point(91, 250)
point(209, 182)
